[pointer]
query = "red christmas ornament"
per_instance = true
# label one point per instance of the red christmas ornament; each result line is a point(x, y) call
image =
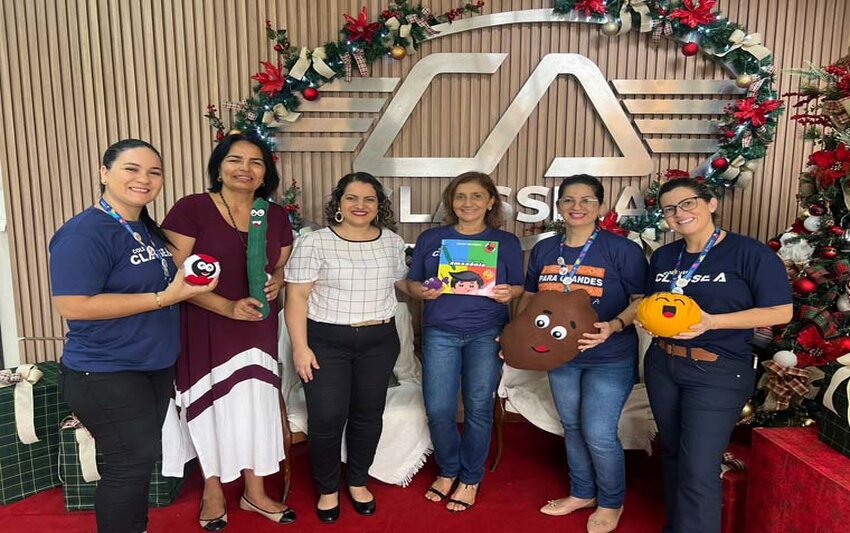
point(729, 134)
point(805, 286)
point(836, 230)
point(817, 210)
point(721, 163)
point(828, 252)
point(650, 200)
point(310, 93)
point(690, 49)
point(774, 244)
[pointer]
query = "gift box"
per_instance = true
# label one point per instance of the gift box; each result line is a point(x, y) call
point(734, 475)
point(835, 414)
point(79, 493)
point(26, 469)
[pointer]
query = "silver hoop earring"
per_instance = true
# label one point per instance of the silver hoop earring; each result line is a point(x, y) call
point(338, 218)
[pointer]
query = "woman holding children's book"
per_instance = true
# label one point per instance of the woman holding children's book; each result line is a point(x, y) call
point(466, 271)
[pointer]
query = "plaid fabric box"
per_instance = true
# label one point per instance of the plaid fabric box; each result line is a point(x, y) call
point(79, 494)
point(834, 429)
point(26, 469)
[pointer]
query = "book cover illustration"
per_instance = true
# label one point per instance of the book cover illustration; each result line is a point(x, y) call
point(468, 267)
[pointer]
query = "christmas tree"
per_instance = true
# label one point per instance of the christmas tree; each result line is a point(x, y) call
point(816, 251)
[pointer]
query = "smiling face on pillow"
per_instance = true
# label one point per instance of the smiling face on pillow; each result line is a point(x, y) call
point(545, 335)
point(666, 314)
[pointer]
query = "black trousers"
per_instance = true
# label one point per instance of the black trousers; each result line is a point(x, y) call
point(350, 386)
point(696, 405)
point(124, 412)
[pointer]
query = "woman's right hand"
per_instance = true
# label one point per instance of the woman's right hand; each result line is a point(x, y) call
point(429, 294)
point(245, 309)
point(178, 290)
point(305, 362)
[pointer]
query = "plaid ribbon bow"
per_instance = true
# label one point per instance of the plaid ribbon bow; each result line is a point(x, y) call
point(7, 377)
point(784, 382)
point(86, 448)
point(422, 21)
point(759, 80)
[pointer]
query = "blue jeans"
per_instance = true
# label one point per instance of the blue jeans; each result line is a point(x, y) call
point(696, 405)
point(469, 361)
point(590, 399)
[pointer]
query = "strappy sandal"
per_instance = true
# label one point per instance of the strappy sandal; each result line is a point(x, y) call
point(438, 493)
point(465, 505)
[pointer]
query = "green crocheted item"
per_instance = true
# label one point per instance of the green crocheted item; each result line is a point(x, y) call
point(257, 258)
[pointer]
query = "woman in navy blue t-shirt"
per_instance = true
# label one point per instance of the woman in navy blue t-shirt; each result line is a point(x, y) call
point(459, 335)
point(113, 280)
point(698, 381)
point(590, 390)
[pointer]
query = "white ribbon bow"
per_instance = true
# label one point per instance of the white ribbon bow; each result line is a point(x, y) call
point(86, 448)
point(639, 7)
point(646, 240)
point(316, 58)
point(24, 377)
point(278, 115)
point(749, 42)
point(741, 168)
point(841, 375)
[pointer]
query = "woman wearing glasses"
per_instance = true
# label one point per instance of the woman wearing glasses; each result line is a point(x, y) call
point(698, 381)
point(590, 390)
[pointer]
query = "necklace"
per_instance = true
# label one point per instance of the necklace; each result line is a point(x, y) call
point(568, 274)
point(233, 220)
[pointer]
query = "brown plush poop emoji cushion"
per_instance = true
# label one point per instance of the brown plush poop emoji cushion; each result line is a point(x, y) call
point(545, 335)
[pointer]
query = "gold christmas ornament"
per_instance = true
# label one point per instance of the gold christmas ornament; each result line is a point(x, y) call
point(743, 81)
point(398, 52)
point(610, 28)
point(748, 411)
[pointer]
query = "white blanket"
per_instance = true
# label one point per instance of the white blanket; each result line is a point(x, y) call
point(405, 441)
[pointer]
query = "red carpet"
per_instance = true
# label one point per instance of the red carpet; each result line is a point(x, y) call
point(533, 470)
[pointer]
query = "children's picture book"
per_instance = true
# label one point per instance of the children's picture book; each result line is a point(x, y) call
point(468, 267)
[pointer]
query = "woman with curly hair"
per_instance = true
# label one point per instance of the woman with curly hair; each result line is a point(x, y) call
point(340, 304)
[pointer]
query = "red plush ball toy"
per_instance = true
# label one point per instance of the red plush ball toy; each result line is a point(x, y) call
point(201, 269)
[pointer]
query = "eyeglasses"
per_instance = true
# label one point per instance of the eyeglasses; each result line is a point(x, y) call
point(688, 205)
point(587, 202)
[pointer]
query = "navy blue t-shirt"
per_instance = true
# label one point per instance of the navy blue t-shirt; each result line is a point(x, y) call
point(613, 270)
point(459, 313)
point(739, 273)
point(92, 254)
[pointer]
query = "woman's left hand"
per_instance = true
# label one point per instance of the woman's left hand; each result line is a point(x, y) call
point(591, 340)
point(502, 293)
point(704, 324)
point(273, 285)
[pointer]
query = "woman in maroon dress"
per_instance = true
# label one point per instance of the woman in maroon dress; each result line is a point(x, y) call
point(227, 375)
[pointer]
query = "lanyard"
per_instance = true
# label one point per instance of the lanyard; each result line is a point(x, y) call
point(570, 273)
point(151, 250)
point(678, 284)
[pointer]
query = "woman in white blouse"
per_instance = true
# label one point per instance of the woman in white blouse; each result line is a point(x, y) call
point(340, 303)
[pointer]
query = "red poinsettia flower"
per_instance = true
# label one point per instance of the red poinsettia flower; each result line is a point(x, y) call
point(589, 7)
point(609, 223)
point(756, 113)
point(272, 80)
point(832, 164)
point(695, 12)
point(360, 29)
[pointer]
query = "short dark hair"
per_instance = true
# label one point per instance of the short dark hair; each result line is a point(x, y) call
point(466, 275)
point(583, 179)
point(699, 188)
point(385, 209)
point(494, 217)
point(270, 181)
point(108, 159)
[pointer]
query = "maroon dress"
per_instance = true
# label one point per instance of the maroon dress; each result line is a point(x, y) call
point(227, 373)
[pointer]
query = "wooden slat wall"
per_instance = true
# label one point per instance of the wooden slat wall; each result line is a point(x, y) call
point(76, 75)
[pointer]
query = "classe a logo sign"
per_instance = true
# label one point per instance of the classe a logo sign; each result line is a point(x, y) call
point(658, 131)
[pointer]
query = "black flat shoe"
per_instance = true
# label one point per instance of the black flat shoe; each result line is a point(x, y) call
point(213, 524)
point(328, 515)
point(364, 508)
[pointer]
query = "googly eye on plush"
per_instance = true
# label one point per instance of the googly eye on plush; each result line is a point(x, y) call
point(558, 333)
point(541, 321)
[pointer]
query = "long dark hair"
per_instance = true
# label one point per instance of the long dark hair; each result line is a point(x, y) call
point(109, 157)
point(583, 179)
point(270, 181)
point(385, 209)
point(494, 218)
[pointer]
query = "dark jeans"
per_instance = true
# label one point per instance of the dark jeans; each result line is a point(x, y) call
point(350, 386)
point(124, 412)
point(696, 406)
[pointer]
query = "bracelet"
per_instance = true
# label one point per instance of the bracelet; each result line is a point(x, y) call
point(622, 322)
point(158, 301)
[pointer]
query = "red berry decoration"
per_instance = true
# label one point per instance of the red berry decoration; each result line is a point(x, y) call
point(721, 163)
point(310, 93)
point(650, 200)
point(690, 49)
point(828, 252)
point(774, 244)
point(805, 286)
point(836, 230)
point(817, 210)
point(729, 134)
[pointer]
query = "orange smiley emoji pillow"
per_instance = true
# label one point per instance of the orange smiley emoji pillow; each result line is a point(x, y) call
point(545, 335)
point(666, 314)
